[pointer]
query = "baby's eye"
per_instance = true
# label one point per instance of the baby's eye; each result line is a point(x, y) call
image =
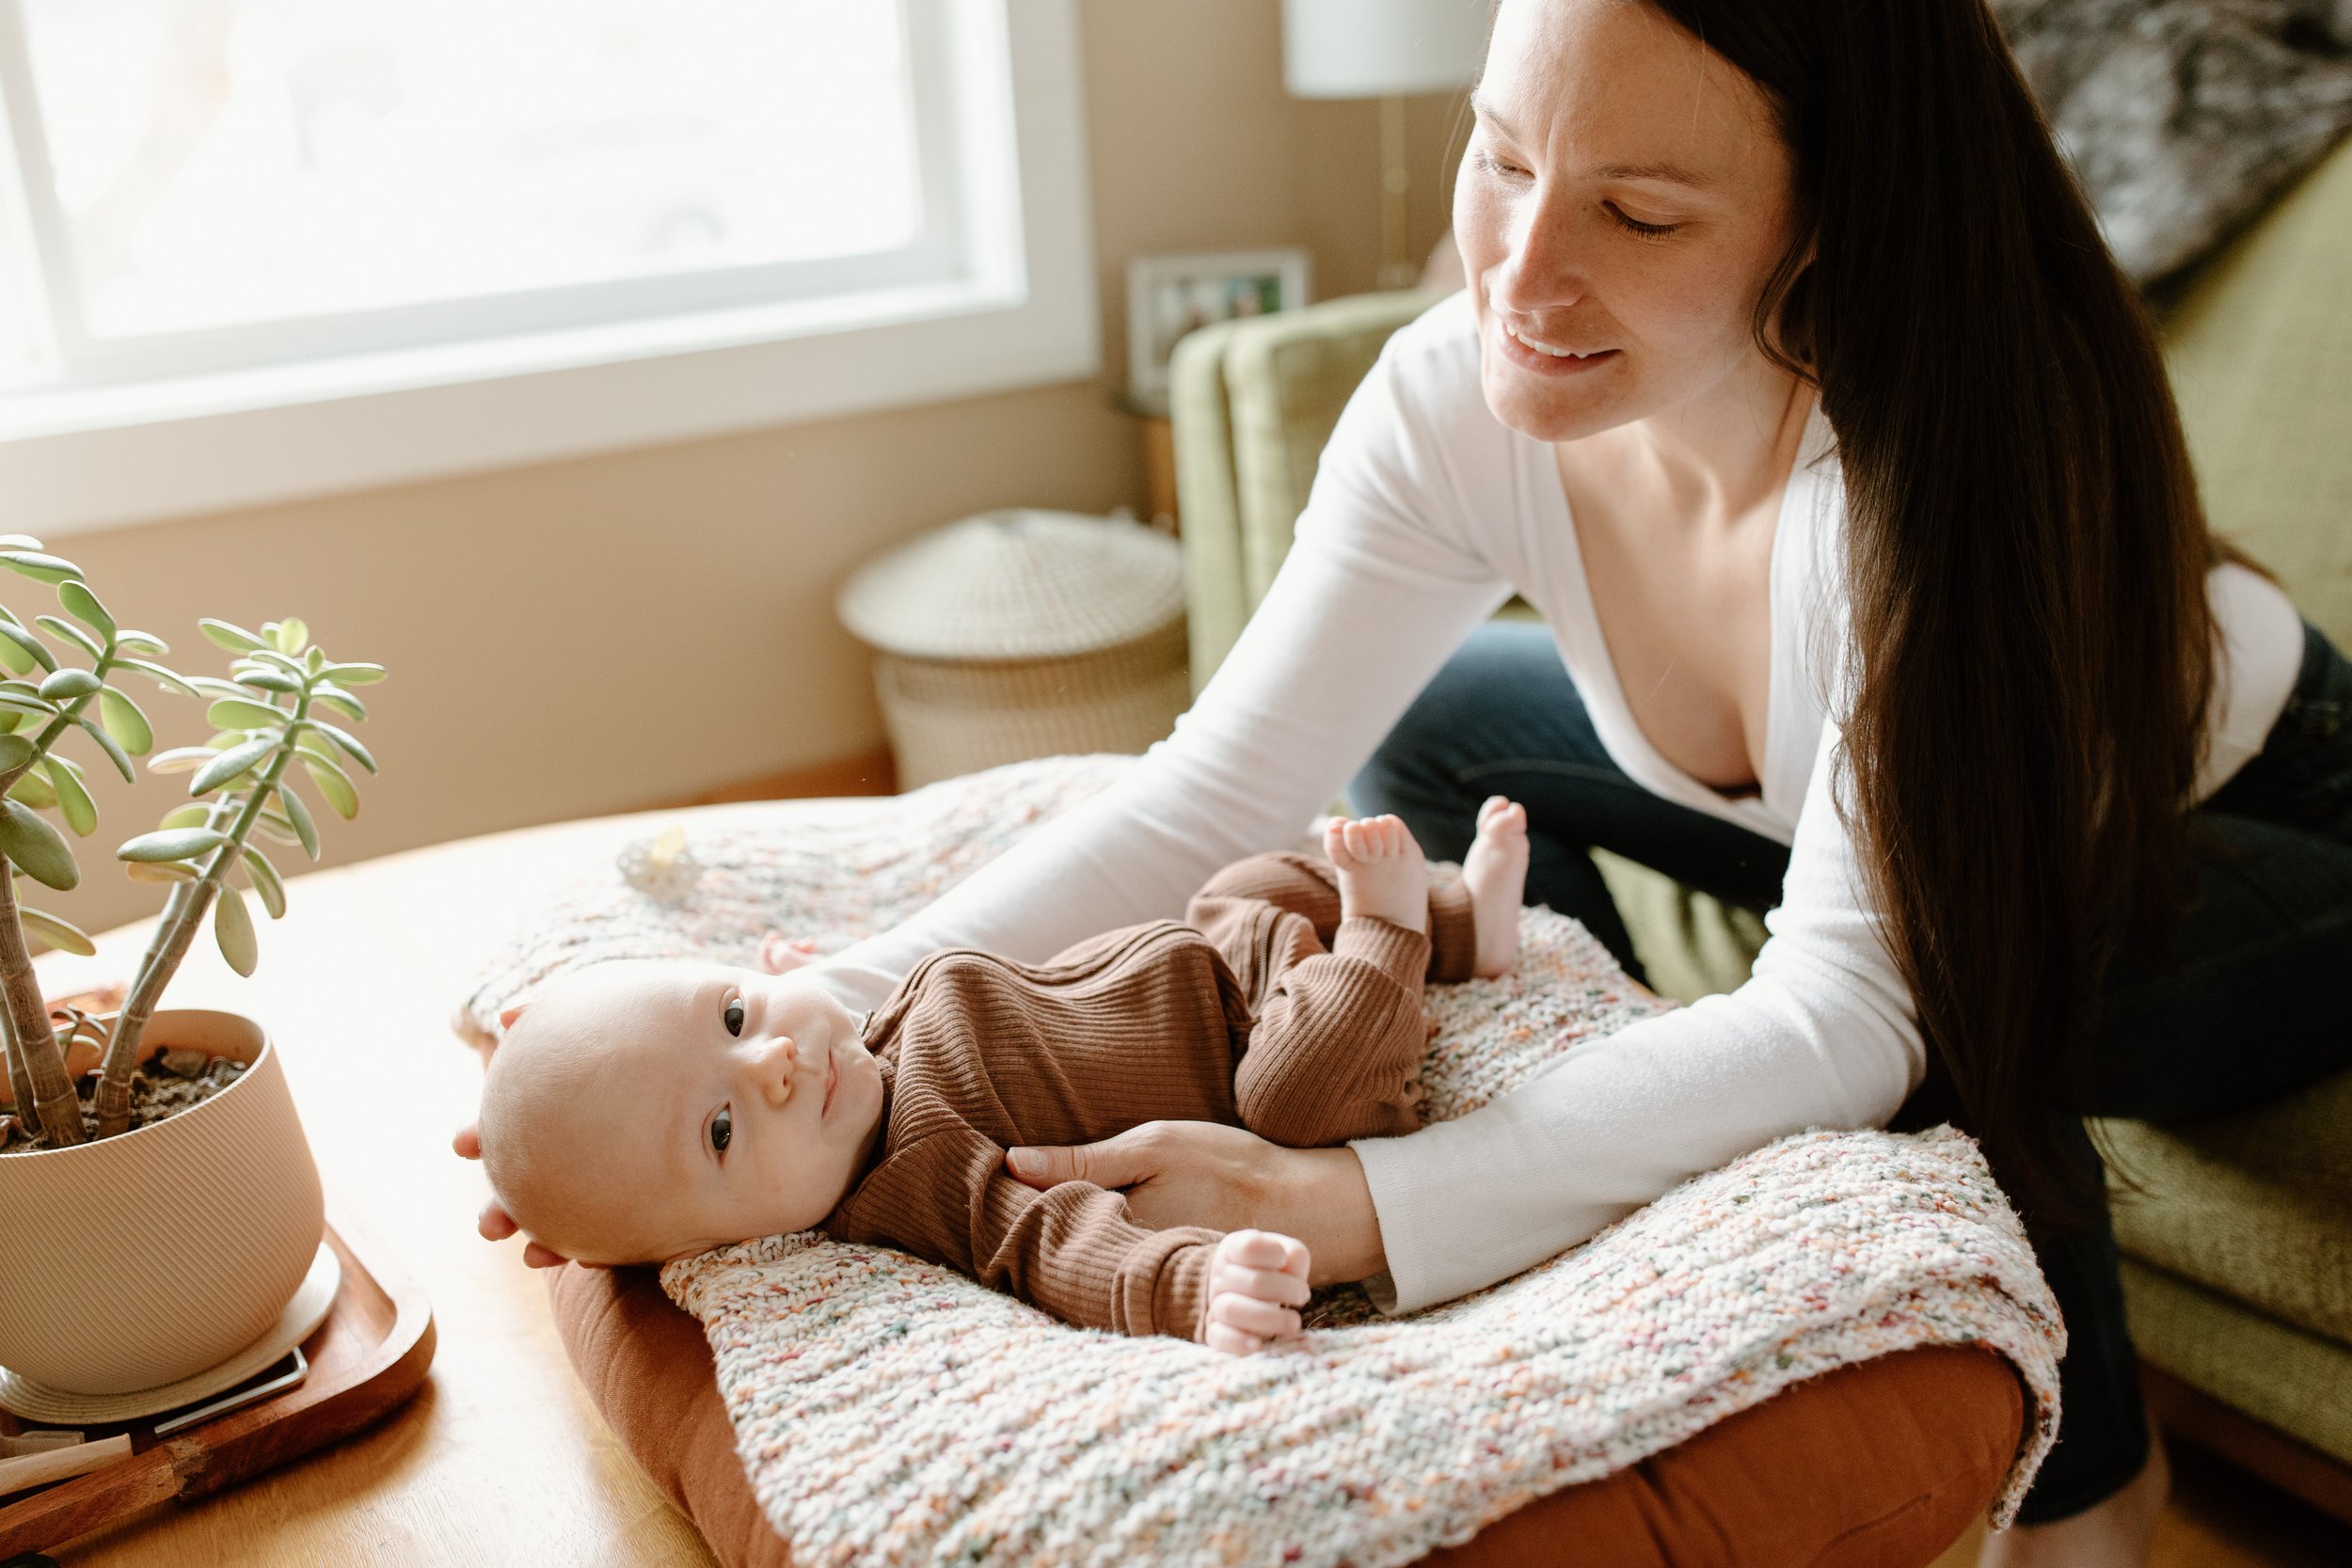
point(722, 1130)
point(735, 1018)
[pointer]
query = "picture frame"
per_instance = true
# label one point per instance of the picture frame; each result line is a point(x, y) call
point(1171, 296)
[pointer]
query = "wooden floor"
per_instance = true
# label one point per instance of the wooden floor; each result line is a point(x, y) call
point(2222, 1517)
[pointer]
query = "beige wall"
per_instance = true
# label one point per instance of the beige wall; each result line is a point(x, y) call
point(593, 635)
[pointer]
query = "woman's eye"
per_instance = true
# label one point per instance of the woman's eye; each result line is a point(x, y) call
point(735, 1019)
point(723, 1131)
point(1634, 225)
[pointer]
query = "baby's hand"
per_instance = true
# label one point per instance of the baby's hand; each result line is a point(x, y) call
point(777, 954)
point(1257, 1282)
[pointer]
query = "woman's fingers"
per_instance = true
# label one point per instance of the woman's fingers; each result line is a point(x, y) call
point(540, 1255)
point(467, 1140)
point(1122, 1161)
point(494, 1222)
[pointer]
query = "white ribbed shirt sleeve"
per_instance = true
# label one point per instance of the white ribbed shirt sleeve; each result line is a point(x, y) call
point(1376, 592)
point(1823, 1035)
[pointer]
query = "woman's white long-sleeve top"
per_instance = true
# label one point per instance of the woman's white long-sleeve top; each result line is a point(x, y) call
point(1426, 514)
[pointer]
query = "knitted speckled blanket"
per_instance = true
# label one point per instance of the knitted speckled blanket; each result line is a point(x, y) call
point(889, 1411)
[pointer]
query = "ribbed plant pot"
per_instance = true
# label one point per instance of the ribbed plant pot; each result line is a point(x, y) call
point(133, 1261)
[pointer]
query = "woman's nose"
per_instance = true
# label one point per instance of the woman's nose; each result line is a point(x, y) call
point(1542, 267)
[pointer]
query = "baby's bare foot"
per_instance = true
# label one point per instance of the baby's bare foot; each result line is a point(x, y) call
point(1382, 873)
point(778, 953)
point(1494, 871)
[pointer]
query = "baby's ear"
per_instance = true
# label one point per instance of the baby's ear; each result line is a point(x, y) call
point(508, 1015)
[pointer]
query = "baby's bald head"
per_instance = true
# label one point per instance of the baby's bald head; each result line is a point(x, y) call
point(562, 1135)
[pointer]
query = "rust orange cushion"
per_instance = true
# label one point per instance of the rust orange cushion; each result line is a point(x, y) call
point(1874, 1465)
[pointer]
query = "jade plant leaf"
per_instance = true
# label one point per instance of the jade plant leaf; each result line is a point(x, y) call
point(231, 764)
point(213, 686)
point(15, 639)
point(33, 789)
point(269, 680)
point(344, 739)
point(113, 748)
point(266, 883)
point(354, 674)
point(160, 675)
point(126, 721)
point(141, 643)
point(290, 635)
point(84, 605)
point(194, 816)
point(271, 826)
point(19, 542)
point(15, 752)
point(335, 785)
point(181, 759)
point(61, 934)
point(67, 632)
point(40, 568)
point(169, 844)
point(228, 635)
point(243, 712)
point(80, 811)
point(27, 839)
point(232, 928)
point(160, 871)
point(298, 815)
point(67, 685)
point(335, 699)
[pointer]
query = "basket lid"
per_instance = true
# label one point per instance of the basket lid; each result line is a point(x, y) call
point(1017, 584)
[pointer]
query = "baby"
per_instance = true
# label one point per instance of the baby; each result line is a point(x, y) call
point(643, 1110)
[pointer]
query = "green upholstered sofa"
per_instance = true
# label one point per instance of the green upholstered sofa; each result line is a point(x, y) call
point(2239, 1242)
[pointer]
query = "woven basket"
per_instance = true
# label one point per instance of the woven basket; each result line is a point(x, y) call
point(1022, 633)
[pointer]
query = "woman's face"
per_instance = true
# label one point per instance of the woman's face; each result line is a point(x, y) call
point(1624, 198)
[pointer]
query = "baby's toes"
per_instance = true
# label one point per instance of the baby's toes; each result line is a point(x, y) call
point(1335, 843)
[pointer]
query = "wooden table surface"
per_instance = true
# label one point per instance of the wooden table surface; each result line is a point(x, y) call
point(501, 1459)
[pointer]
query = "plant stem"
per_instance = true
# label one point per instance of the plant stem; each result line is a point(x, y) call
point(53, 1102)
point(183, 915)
point(20, 1083)
point(45, 1100)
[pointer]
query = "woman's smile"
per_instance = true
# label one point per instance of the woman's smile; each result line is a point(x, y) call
point(1532, 353)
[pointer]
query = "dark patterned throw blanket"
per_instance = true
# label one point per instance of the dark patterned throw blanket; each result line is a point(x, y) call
point(2184, 117)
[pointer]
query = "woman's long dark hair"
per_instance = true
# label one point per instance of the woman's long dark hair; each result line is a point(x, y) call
point(2025, 557)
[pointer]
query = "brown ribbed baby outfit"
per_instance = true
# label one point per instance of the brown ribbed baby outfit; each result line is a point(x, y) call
point(1265, 1011)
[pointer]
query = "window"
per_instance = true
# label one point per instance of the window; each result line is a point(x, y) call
point(218, 209)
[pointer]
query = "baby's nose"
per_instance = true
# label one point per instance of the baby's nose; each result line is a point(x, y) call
point(775, 1062)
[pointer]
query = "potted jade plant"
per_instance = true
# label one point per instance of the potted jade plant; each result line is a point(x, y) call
point(158, 1202)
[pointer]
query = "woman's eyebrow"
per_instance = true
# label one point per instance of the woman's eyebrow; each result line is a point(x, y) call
point(1671, 173)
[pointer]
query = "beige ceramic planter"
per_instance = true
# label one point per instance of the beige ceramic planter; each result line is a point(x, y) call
point(204, 1226)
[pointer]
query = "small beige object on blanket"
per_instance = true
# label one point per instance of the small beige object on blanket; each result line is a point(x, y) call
point(890, 1411)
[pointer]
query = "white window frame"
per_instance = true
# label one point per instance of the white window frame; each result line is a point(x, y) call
point(1018, 308)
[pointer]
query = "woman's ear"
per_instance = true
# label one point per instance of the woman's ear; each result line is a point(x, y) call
point(508, 1015)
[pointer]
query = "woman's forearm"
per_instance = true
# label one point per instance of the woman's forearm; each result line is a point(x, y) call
point(1320, 1197)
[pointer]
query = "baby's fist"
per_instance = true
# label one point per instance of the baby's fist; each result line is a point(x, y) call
point(1257, 1283)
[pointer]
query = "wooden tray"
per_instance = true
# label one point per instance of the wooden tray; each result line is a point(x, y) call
point(366, 1359)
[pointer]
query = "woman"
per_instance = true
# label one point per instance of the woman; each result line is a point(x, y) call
point(1794, 387)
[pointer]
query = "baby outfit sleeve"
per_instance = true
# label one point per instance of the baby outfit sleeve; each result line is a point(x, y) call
point(1073, 1250)
point(1338, 1031)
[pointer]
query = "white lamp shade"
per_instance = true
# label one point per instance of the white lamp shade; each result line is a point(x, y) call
point(1374, 48)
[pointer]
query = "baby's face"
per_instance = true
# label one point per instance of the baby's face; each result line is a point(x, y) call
point(724, 1103)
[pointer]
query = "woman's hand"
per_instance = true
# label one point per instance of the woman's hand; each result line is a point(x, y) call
point(1227, 1178)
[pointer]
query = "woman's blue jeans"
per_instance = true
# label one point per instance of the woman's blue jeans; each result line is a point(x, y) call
point(2253, 1006)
